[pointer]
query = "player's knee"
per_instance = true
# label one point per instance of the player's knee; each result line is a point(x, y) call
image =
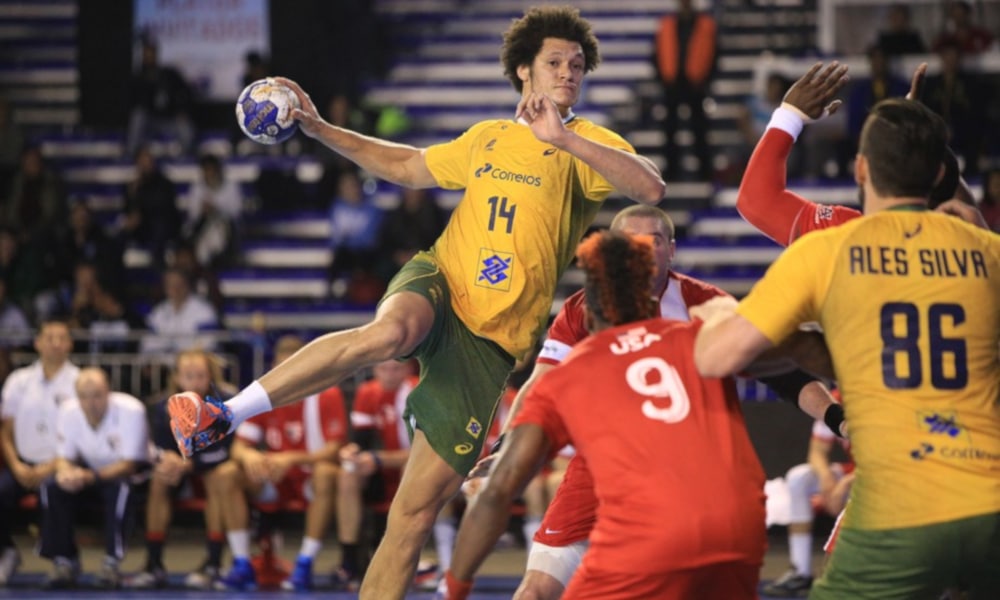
point(801, 480)
point(325, 478)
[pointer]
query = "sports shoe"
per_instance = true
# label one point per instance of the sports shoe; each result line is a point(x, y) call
point(427, 576)
point(301, 578)
point(789, 585)
point(10, 560)
point(64, 574)
point(345, 581)
point(109, 577)
point(202, 579)
point(241, 577)
point(197, 423)
point(151, 578)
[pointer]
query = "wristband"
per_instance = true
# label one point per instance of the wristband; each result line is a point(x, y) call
point(495, 448)
point(834, 418)
point(788, 119)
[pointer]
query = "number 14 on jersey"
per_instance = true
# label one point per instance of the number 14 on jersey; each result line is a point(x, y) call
point(500, 210)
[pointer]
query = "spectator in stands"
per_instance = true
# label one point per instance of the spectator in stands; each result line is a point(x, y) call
point(29, 406)
point(205, 280)
point(408, 229)
point(899, 37)
point(152, 218)
point(36, 204)
point(866, 92)
point(754, 116)
point(85, 240)
point(14, 327)
point(355, 222)
point(685, 61)
point(161, 103)
point(213, 471)
point(832, 481)
point(102, 442)
point(177, 322)
point(990, 203)
point(961, 99)
point(21, 268)
point(961, 30)
point(255, 66)
point(214, 207)
point(372, 463)
point(290, 454)
point(11, 144)
point(99, 311)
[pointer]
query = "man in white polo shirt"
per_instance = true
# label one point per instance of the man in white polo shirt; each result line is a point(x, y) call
point(102, 442)
point(29, 405)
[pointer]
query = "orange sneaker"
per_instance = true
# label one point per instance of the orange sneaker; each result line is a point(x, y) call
point(198, 423)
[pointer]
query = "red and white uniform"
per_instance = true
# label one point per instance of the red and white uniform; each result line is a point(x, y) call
point(778, 213)
point(661, 442)
point(570, 516)
point(378, 408)
point(304, 426)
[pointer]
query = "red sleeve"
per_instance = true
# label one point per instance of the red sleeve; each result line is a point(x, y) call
point(334, 415)
point(695, 291)
point(539, 409)
point(567, 329)
point(778, 213)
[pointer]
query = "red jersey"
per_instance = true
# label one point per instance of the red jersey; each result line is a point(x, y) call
point(568, 327)
point(572, 512)
point(678, 482)
point(382, 409)
point(764, 202)
point(308, 425)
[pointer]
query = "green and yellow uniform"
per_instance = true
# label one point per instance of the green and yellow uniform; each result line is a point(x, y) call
point(492, 273)
point(908, 302)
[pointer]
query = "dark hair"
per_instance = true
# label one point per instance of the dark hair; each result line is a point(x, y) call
point(619, 269)
point(905, 145)
point(523, 41)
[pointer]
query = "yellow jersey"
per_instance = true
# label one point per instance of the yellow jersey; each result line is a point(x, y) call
point(908, 303)
point(525, 207)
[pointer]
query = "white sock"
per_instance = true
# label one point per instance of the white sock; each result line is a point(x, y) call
point(444, 542)
point(251, 401)
point(310, 547)
point(531, 525)
point(239, 543)
point(800, 551)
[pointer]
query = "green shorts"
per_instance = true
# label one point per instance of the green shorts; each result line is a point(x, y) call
point(462, 375)
point(915, 562)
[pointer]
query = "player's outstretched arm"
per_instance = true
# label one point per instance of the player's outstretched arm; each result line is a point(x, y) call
point(634, 176)
point(398, 163)
point(763, 199)
point(523, 455)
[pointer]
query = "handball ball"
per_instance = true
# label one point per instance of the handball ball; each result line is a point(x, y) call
point(264, 111)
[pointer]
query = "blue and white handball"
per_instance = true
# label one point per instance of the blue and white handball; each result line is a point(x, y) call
point(264, 111)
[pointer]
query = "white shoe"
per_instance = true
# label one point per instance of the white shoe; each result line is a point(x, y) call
point(10, 560)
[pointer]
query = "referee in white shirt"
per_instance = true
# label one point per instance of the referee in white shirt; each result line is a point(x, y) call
point(102, 442)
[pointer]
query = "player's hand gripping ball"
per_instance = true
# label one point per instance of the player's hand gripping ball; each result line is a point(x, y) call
point(264, 111)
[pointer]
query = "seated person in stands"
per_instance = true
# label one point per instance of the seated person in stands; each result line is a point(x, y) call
point(151, 218)
point(372, 463)
point(180, 319)
point(29, 406)
point(15, 330)
point(407, 229)
point(214, 207)
point(355, 223)
point(899, 37)
point(99, 311)
point(289, 455)
point(102, 443)
point(211, 471)
point(86, 241)
point(161, 102)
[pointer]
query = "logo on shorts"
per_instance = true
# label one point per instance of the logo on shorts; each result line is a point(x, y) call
point(474, 428)
point(464, 448)
point(496, 268)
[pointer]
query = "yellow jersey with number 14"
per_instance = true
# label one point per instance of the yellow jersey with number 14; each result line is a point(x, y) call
point(526, 206)
point(908, 302)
